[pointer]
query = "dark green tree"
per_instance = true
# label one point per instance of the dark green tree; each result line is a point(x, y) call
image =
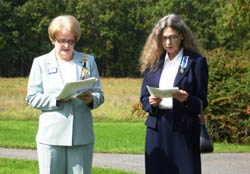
point(233, 24)
point(6, 67)
point(198, 14)
point(114, 31)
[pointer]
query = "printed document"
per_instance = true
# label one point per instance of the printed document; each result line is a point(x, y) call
point(163, 93)
point(73, 89)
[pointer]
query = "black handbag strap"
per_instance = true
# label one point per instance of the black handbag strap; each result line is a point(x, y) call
point(202, 120)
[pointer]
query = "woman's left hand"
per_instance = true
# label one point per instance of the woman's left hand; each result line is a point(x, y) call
point(181, 95)
point(87, 97)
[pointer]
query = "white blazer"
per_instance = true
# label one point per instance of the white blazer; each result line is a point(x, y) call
point(69, 123)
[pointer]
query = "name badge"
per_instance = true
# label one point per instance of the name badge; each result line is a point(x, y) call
point(53, 70)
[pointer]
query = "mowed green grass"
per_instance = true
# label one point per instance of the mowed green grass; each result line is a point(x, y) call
point(14, 166)
point(120, 137)
point(110, 137)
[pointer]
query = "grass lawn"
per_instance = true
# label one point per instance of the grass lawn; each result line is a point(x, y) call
point(110, 137)
point(120, 137)
point(14, 166)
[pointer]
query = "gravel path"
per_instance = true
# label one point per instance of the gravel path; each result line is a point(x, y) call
point(214, 163)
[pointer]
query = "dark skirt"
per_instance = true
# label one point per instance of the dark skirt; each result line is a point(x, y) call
point(171, 152)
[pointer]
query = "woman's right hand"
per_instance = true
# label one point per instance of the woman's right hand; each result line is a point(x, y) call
point(65, 100)
point(154, 101)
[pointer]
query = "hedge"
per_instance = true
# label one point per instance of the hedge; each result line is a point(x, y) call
point(228, 112)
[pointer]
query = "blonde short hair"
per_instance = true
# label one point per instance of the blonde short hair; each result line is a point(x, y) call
point(64, 22)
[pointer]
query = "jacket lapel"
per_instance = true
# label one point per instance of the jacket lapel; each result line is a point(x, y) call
point(157, 74)
point(52, 64)
point(79, 64)
point(180, 74)
point(52, 58)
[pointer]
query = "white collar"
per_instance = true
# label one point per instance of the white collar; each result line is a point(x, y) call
point(177, 58)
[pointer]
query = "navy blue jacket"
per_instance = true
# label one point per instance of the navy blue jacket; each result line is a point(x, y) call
point(194, 80)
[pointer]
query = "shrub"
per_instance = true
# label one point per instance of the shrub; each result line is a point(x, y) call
point(138, 111)
point(227, 114)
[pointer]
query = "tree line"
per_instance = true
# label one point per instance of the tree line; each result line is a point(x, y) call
point(114, 31)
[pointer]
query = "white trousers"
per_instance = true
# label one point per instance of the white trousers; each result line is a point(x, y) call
point(65, 159)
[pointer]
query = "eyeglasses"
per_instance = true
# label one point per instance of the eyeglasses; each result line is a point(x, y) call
point(64, 41)
point(172, 38)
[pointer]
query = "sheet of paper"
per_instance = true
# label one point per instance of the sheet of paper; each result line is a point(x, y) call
point(163, 93)
point(73, 89)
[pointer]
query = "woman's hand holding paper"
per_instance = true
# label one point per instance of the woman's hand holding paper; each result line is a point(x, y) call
point(154, 101)
point(86, 97)
point(181, 95)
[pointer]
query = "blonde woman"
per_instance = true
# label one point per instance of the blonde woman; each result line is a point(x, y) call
point(171, 58)
point(65, 138)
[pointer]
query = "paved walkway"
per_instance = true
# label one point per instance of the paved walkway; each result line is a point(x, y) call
point(214, 163)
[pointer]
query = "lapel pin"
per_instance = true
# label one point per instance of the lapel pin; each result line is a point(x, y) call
point(184, 63)
point(84, 67)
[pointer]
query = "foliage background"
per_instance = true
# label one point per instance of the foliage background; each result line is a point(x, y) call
point(114, 31)
point(228, 113)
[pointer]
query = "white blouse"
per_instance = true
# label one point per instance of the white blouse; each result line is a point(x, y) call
point(167, 78)
point(68, 70)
